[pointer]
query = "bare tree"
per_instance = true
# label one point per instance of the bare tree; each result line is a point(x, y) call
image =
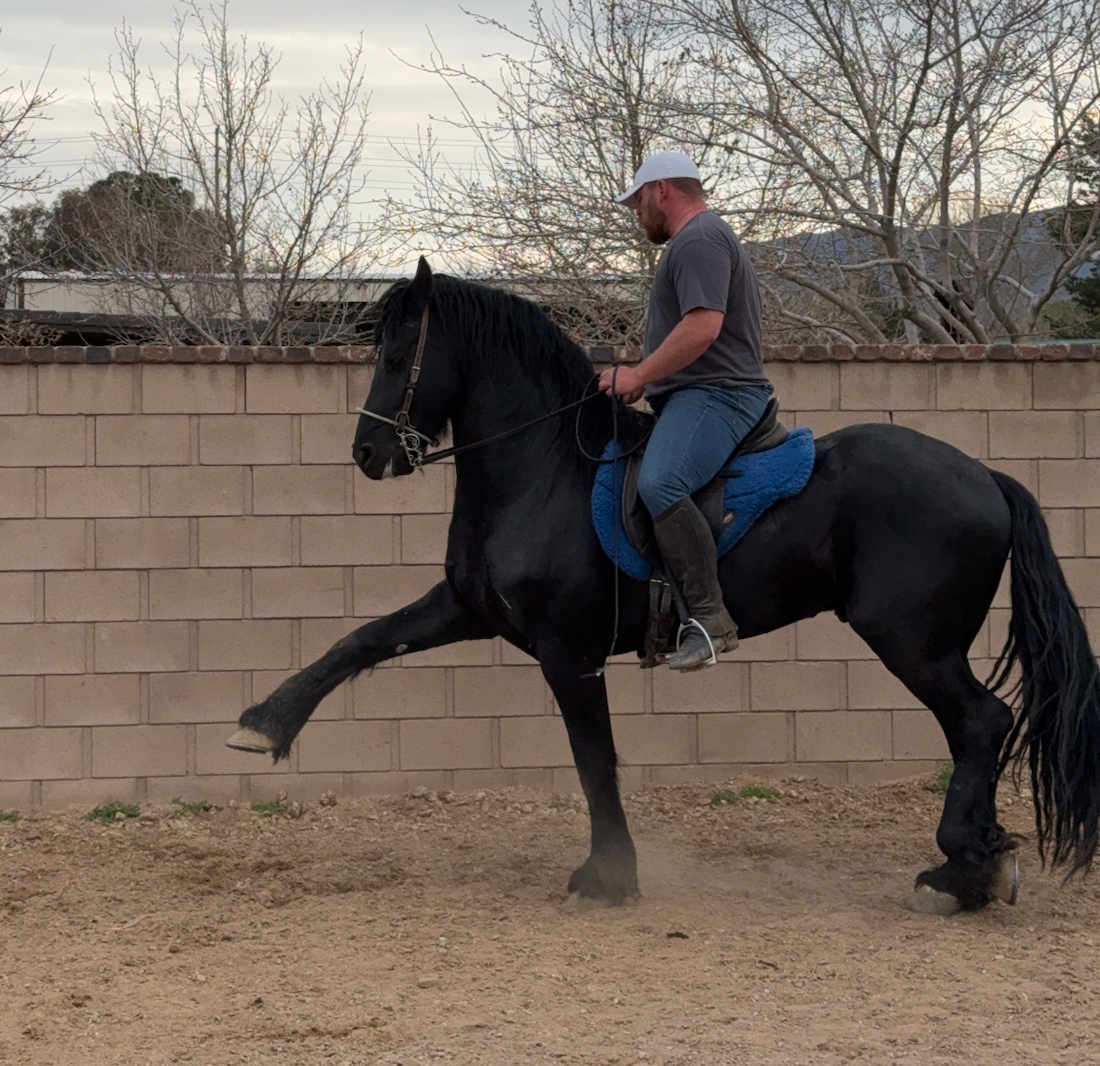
point(583, 96)
point(258, 195)
point(21, 105)
point(907, 157)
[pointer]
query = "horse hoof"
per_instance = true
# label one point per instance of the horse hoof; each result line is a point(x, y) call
point(578, 904)
point(250, 740)
point(928, 900)
point(1006, 881)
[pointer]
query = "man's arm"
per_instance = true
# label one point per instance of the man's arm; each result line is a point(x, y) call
point(690, 337)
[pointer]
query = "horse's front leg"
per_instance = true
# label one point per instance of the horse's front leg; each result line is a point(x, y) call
point(435, 619)
point(610, 873)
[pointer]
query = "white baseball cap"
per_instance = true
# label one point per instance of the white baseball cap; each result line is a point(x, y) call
point(656, 167)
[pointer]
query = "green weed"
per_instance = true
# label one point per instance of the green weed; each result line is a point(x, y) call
point(107, 813)
point(728, 795)
point(182, 807)
point(269, 807)
point(760, 792)
point(10, 816)
point(942, 781)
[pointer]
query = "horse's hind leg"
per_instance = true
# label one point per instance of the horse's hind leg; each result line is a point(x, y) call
point(980, 865)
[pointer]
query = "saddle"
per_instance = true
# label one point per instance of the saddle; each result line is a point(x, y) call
point(664, 605)
point(768, 433)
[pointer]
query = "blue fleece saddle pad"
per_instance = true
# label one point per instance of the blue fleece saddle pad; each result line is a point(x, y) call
point(764, 478)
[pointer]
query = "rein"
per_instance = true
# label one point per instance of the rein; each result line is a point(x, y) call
point(417, 457)
point(413, 441)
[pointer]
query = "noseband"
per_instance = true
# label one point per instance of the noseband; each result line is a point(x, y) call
point(412, 440)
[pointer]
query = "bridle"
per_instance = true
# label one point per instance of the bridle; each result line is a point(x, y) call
point(413, 441)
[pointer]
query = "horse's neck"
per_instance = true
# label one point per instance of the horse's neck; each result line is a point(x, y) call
point(539, 460)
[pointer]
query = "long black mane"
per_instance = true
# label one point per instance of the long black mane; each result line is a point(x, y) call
point(498, 328)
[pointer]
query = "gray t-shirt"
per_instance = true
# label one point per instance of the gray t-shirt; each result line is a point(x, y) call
point(704, 265)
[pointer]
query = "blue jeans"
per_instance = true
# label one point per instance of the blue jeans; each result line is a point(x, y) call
point(696, 432)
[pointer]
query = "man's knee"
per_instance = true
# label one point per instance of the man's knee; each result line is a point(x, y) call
point(659, 491)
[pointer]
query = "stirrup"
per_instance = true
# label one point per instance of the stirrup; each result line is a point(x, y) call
point(691, 623)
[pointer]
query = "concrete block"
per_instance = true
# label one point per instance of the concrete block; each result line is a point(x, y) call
point(484, 692)
point(794, 686)
point(983, 386)
point(245, 440)
point(886, 387)
point(85, 390)
point(758, 738)
point(129, 647)
point(307, 388)
point(420, 693)
point(197, 490)
point(720, 689)
point(179, 390)
point(534, 742)
point(141, 543)
point(17, 702)
point(140, 751)
point(89, 492)
point(142, 440)
point(93, 699)
point(247, 644)
point(91, 595)
point(833, 736)
point(331, 747)
point(444, 744)
point(35, 648)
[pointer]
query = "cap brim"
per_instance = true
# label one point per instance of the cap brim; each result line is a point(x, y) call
point(630, 199)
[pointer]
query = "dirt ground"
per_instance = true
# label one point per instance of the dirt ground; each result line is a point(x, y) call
point(429, 929)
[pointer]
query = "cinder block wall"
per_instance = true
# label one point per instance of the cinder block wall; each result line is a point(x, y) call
point(182, 528)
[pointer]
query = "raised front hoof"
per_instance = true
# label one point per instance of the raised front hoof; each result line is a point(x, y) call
point(602, 883)
point(250, 740)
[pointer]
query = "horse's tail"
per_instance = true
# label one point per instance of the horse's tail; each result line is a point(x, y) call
point(1057, 696)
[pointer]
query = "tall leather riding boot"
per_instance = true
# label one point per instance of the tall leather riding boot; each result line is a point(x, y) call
point(691, 560)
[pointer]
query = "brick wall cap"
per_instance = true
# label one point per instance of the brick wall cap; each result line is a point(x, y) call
point(366, 354)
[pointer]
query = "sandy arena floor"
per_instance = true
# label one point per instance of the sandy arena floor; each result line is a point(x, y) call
point(429, 929)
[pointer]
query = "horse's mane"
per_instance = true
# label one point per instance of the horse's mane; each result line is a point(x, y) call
point(498, 327)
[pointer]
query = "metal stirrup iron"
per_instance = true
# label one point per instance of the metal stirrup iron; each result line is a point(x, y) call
point(691, 623)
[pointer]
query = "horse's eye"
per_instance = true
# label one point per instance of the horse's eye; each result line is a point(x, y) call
point(391, 355)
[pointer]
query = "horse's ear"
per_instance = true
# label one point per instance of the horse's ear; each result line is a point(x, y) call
point(420, 291)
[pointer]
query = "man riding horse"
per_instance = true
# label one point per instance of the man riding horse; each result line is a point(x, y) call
point(703, 374)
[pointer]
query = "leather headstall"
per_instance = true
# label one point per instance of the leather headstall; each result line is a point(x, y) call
point(412, 440)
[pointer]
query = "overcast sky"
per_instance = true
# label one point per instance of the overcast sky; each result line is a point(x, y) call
point(310, 34)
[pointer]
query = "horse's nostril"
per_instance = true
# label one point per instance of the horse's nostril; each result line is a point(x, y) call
point(361, 453)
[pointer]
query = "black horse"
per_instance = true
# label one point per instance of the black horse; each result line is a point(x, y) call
point(902, 536)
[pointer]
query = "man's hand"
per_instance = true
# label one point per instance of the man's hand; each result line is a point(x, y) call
point(626, 383)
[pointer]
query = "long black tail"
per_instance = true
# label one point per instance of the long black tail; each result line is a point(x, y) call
point(1057, 697)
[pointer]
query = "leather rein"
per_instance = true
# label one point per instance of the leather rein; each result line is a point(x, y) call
point(413, 441)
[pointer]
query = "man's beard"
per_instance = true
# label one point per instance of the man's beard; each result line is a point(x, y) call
point(655, 224)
